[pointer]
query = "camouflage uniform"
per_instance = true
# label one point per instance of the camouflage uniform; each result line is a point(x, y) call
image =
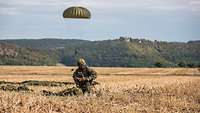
point(86, 76)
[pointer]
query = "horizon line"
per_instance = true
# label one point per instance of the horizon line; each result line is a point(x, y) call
point(93, 40)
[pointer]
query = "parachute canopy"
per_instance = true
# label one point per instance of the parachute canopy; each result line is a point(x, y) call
point(77, 13)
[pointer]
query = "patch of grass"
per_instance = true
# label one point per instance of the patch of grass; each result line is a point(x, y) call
point(4, 82)
point(124, 93)
point(10, 87)
point(74, 91)
point(22, 86)
point(38, 83)
point(45, 83)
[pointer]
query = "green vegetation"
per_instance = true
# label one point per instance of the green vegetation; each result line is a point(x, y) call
point(24, 87)
point(182, 64)
point(74, 91)
point(38, 83)
point(11, 54)
point(123, 52)
point(11, 87)
point(158, 64)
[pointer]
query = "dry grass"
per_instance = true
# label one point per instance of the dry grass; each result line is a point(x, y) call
point(123, 93)
point(61, 70)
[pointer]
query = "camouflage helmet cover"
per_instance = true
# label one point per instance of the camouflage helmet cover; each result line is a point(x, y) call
point(81, 61)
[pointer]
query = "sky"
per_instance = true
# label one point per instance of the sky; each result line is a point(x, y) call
point(164, 20)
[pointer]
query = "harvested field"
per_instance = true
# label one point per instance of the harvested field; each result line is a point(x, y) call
point(46, 89)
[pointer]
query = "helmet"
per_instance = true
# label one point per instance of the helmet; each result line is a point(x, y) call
point(81, 61)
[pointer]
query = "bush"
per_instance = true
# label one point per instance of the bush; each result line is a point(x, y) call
point(158, 64)
point(190, 65)
point(182, 64)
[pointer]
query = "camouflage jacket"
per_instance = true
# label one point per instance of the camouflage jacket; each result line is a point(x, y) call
point(88, 73)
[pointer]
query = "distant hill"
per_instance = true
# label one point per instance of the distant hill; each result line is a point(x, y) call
point(122, 52)
point(11, 54)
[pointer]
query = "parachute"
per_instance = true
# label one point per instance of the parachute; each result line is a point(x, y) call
point(77, 12)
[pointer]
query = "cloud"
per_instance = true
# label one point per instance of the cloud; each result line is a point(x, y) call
point(20, 6)
point(9, 11)
point(159, 18)
point(142, 4)
point(17, 7)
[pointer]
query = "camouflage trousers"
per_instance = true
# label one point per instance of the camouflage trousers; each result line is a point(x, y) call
point(86, 87)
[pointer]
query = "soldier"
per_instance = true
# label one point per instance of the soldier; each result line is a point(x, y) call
point(83, 76)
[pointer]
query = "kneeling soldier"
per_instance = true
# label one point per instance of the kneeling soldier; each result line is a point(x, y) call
point(83, 76)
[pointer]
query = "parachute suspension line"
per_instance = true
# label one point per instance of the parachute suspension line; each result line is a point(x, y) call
point(72, 2)
point(76, 55)
point(76, 12)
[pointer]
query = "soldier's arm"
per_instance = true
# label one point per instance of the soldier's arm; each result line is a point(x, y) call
point(93, 74)
point(75, 75)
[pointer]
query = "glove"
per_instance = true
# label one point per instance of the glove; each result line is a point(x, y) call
point(81, 79)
